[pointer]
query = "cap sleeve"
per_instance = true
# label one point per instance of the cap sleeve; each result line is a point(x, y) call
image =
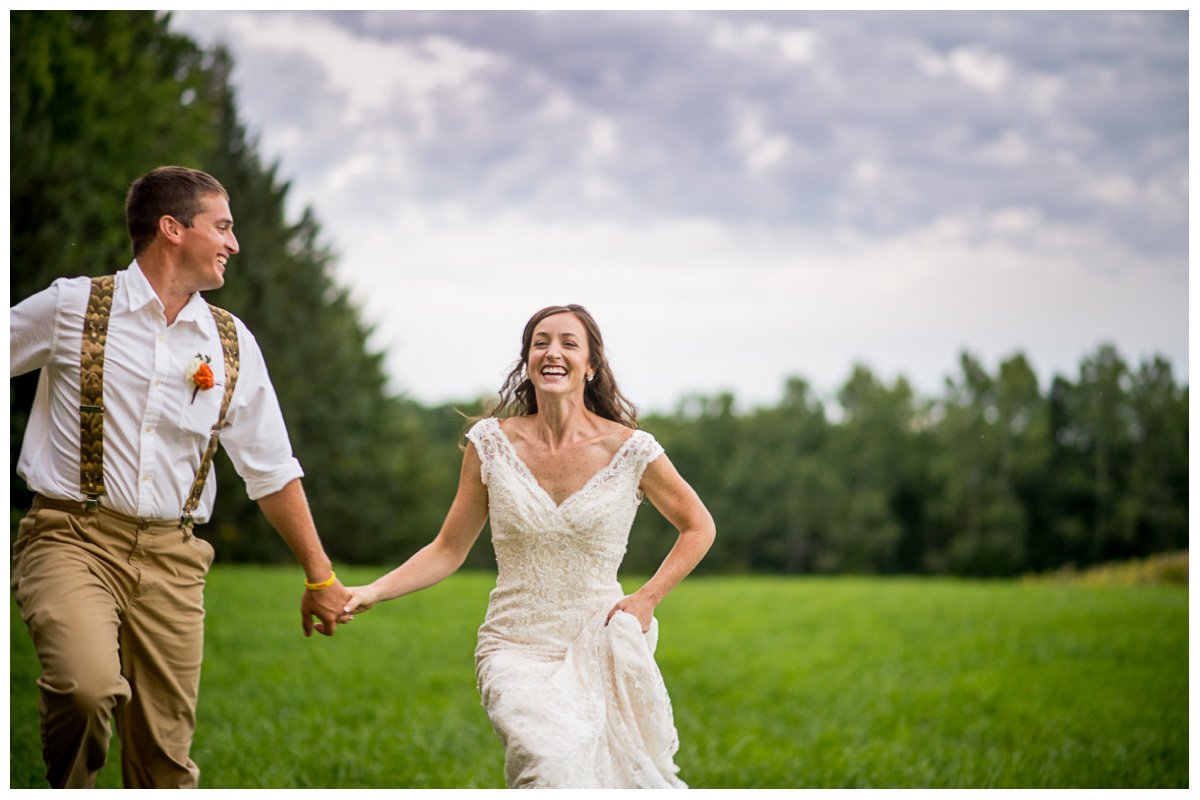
point(647, 448)
point(484, 435)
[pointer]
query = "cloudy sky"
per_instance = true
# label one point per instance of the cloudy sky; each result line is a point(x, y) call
point(737, 197)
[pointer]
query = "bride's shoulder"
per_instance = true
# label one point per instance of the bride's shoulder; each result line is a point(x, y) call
point(613, 432)
point(617, 437)
point(514, 427)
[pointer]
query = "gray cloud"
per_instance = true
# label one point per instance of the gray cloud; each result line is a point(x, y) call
point(1053, 137)
point(1081, 116)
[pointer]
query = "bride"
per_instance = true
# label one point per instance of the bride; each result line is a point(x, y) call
point(564, 661)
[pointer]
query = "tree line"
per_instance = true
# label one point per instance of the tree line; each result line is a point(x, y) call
point(995, 476)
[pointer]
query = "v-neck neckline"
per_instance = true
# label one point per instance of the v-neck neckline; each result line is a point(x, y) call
point(533, 478)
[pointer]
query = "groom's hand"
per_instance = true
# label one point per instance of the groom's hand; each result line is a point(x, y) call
point(326, 605)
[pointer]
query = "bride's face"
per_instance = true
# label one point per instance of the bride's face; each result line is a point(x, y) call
point(558, 355)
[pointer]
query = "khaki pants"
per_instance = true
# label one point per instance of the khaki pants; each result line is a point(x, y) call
point(115, 606)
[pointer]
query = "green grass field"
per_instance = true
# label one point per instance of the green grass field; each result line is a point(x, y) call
point(839, 682)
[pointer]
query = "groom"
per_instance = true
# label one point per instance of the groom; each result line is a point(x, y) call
point(139, 377)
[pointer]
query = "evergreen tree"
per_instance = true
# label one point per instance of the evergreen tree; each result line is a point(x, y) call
point(102, 97)
point(96, 99)
point(989, 426)
point(1158, 474)
point(779, 478)
point(871, 456)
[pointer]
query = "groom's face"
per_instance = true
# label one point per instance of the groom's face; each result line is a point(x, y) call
point(207, 244)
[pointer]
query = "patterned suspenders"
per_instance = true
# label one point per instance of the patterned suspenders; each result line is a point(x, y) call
point(91, 395)
point(91, 390)
point(229, 347)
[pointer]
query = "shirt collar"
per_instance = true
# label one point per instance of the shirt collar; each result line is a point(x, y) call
point(139, 294)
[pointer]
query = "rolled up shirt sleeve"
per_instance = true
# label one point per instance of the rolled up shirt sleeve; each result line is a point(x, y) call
point(254, 434)
point(32, 331)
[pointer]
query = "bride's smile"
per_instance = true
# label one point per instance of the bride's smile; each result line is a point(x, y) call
point(559, 356)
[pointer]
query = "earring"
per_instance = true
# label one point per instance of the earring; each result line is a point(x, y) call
point(589, 378)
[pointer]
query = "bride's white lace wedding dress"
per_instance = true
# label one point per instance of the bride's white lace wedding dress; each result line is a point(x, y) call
point(577, 703)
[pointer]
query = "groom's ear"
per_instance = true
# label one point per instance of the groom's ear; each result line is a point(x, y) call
point(170, 229)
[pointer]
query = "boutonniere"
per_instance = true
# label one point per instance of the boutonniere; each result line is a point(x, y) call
point(200, 374)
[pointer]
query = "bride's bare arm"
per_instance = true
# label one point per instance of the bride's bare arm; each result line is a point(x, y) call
point(682, 507)
point(446, 553)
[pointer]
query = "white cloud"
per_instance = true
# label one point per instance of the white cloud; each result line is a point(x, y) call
point(1117, 190)
point(602, 139)
point(978, 67)
point(1014, 220)
point(931, 63)
point(798, 45)
point(371, 75)
point(354, 167)
point(759, 148)
point(867, 172)
point(756, 39)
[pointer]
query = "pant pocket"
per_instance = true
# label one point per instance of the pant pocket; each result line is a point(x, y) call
point(204, 553)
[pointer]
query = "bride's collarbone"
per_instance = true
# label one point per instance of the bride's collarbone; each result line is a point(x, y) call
point(564, 470)
point(600, 445)
point(568, 461)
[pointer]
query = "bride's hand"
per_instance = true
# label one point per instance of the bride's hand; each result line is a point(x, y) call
point(637, 605)
point(362, 598)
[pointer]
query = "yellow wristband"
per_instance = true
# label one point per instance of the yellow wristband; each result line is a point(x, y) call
point(322, 584)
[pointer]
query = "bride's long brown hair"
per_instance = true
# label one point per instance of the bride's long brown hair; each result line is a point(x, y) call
point(600, 395)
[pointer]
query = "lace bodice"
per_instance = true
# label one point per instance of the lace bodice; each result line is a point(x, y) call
point(557, 562)
point(576, 697)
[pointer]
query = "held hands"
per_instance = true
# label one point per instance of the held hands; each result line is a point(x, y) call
point(639, 606)
point(361, 598)
point(325, 604)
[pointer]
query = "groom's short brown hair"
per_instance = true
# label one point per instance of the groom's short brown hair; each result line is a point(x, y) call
point(167, 191)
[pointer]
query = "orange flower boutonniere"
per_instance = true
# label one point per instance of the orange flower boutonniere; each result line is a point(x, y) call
point(200, 375)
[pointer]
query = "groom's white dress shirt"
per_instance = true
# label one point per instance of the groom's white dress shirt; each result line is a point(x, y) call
point(156, 426)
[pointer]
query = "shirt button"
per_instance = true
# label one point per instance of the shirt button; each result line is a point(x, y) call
point(145, 477)
point(148, 429)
